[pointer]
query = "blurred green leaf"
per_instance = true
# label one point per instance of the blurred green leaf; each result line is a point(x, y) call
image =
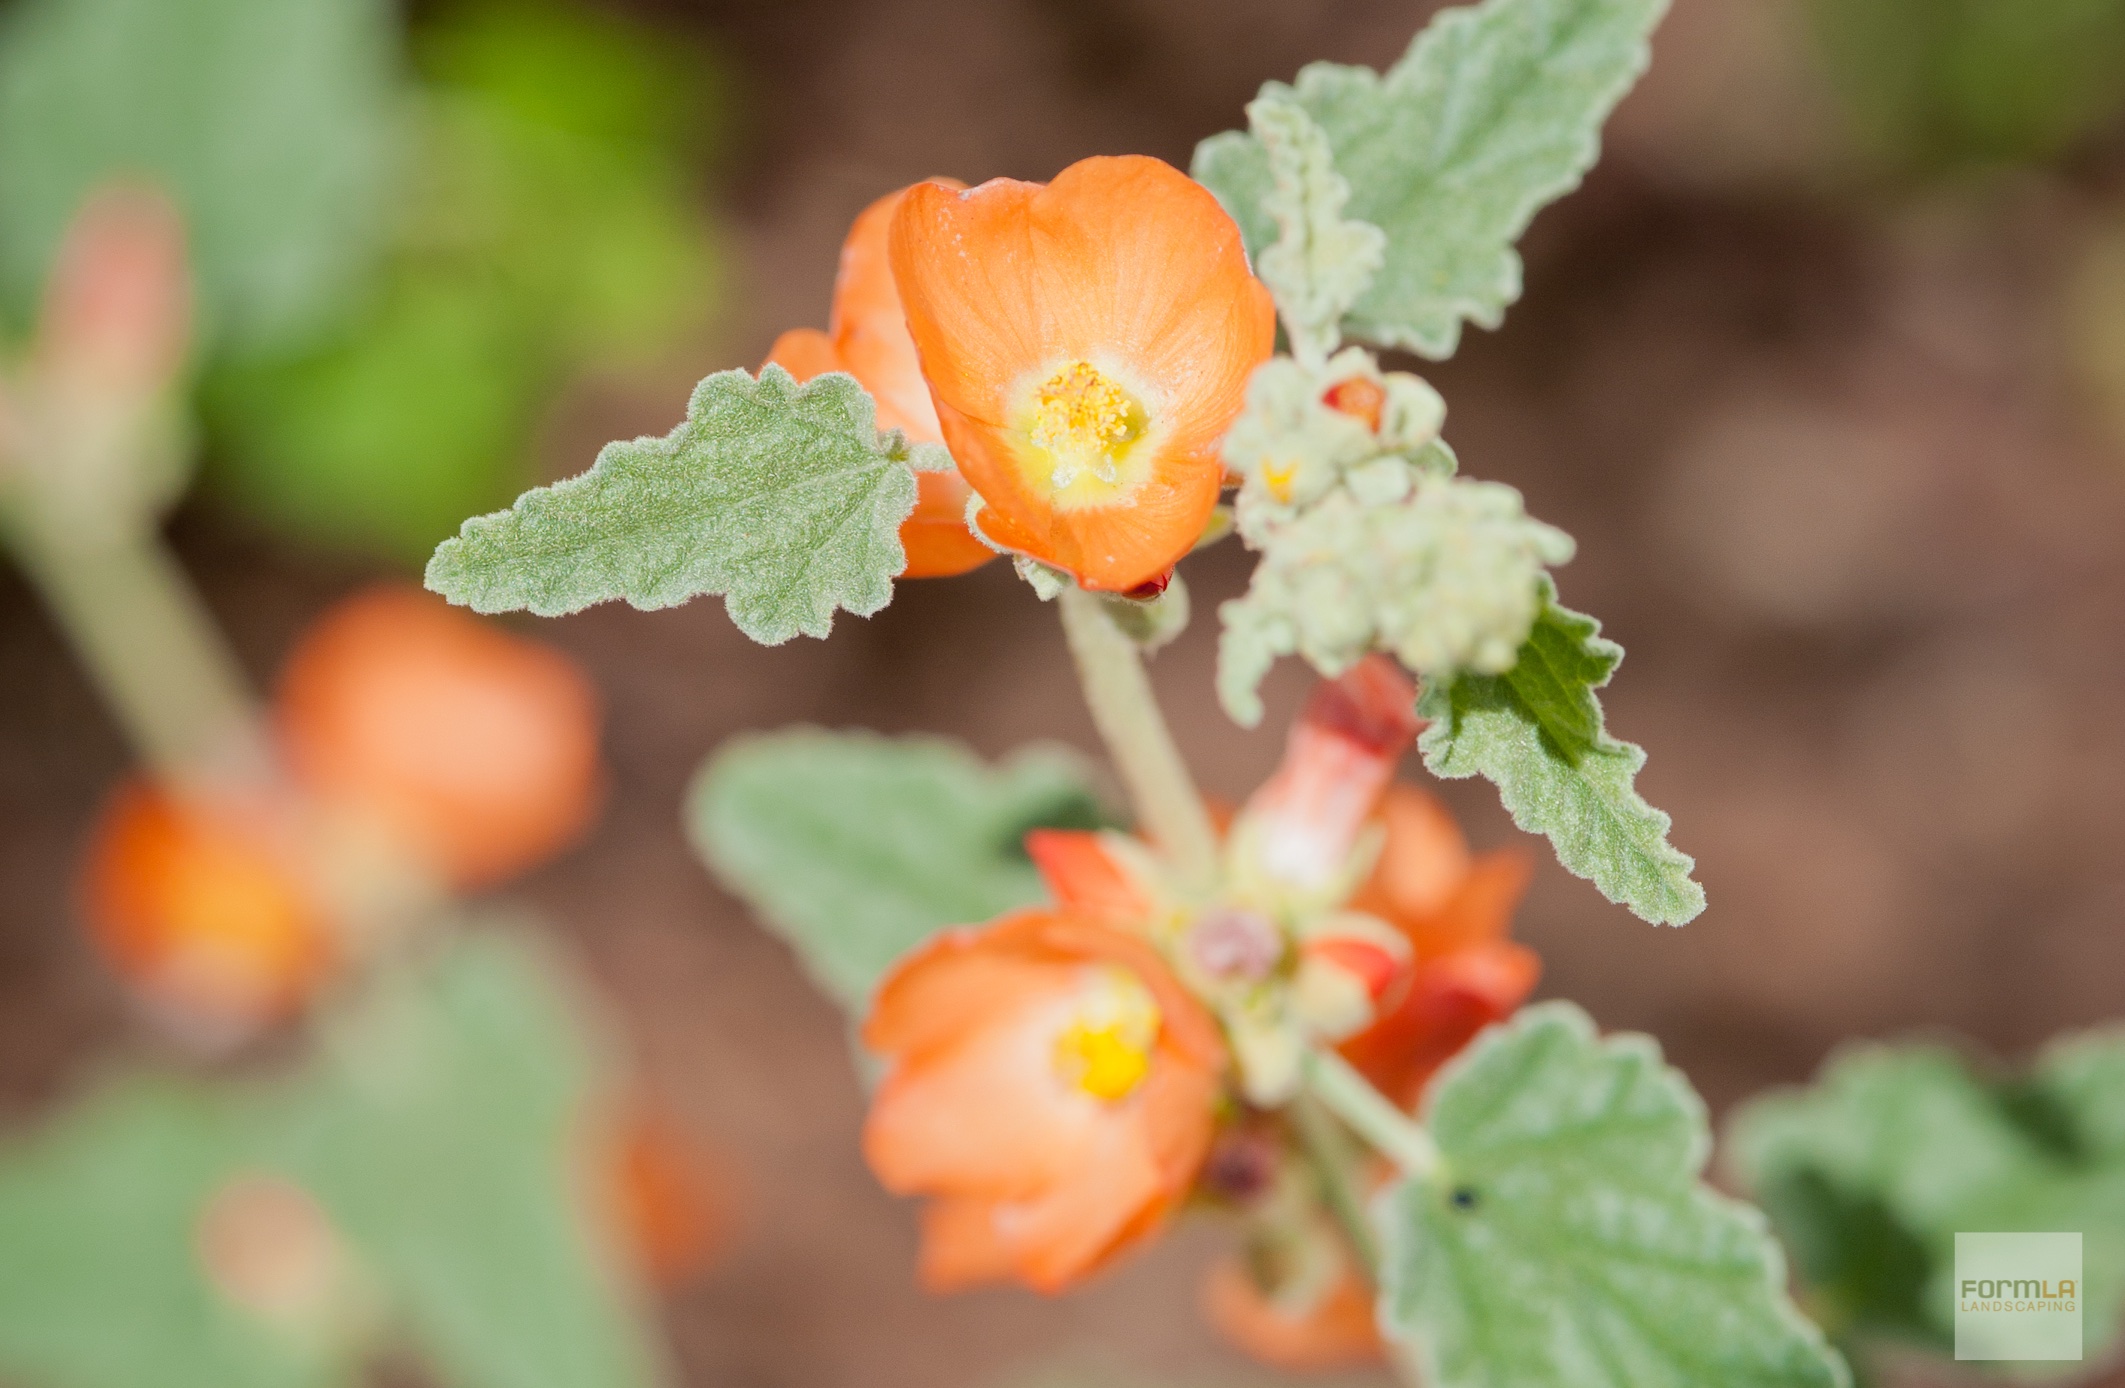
point(550, 228)
point(1911, 1135)
point(1537, 733)
point(856, 847)
point(100, 1281)
point(439, 1128)
point(784, 497)
point(442, 1133)
point(1569, 1242)
point(271, 123)
point(1495, 111)
point(1934, 84)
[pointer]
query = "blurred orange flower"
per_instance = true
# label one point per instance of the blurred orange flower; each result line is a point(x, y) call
point(671, 1203)
point(476, 750)
point(1309, 1330)
point(1086, 343)
point(204, 907)
point(1052, 1090)
point(867, 336)
point(1456, 911)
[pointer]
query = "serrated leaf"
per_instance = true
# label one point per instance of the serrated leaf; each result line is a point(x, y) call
point(855, 847)
point(1495, 110)
point(1537, 733)
point(1569, 1242)
point(1446, 577)
point(100, 1280)
point(442, 1133)
point(1911, 1132)
point(783, 497)
point(269, 121)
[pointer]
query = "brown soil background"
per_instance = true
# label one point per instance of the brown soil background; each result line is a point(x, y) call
point(1832, 493)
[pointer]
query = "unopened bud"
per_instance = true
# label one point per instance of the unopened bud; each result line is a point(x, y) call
point(117, 308)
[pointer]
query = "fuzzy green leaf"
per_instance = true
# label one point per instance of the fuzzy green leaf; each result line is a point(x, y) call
point(1569, 1242)
point(855, 847)
point(1495, 110)
point(784, 497)
point(1921, 1147)
point(270, 122)
point(1537, 733)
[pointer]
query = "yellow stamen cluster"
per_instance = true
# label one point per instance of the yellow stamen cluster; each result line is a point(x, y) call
point(1106, 1049)
point(1082, 419)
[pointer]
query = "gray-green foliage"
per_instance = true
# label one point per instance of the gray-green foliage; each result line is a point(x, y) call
point(1495, 110)
point(1569, 1243)
point(1870, 1172)
point(1537, 732)
point(269, 121)
point(1444, 578)
point(440, 1131)
point(855, 847)
point(783, 497)
point(1322, 261)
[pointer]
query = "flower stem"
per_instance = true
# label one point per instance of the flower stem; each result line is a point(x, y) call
point(150, 645)
point(1351, 1097)
point(1328, 1150)
point(1126, 712)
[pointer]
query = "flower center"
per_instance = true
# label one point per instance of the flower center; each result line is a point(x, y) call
point(1106, 1048)
point(1082, 423)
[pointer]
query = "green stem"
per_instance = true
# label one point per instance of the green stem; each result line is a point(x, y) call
point(150, 646)
point(1127, 715)
point(1351, 1097)
point(1334, 1162)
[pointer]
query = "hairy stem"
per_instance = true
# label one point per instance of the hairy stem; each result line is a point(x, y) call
point(1127, 715)
point(1351, 1097)
point(151, 647)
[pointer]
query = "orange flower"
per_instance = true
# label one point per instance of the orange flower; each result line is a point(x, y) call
point(1323, 1329)
point(475, 749)
point(204, 907)
point(1455, 910)
point(867, 336)
point(1051, 1089)
point(1086, 343)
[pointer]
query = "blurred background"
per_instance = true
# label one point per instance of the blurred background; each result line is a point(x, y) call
point(1824, 368)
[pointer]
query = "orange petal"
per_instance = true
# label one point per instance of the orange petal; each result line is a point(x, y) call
point(1122, 263)
point(1450, 1000)
point(870, 329)
point(935, 536)
point(1422, 862)
point(1480, 909)
point(1337, 761)
point(476, 749)
point(1084, 879)
point(805, 353)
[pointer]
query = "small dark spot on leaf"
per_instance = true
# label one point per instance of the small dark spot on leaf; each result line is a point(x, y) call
point(1464, 1197)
